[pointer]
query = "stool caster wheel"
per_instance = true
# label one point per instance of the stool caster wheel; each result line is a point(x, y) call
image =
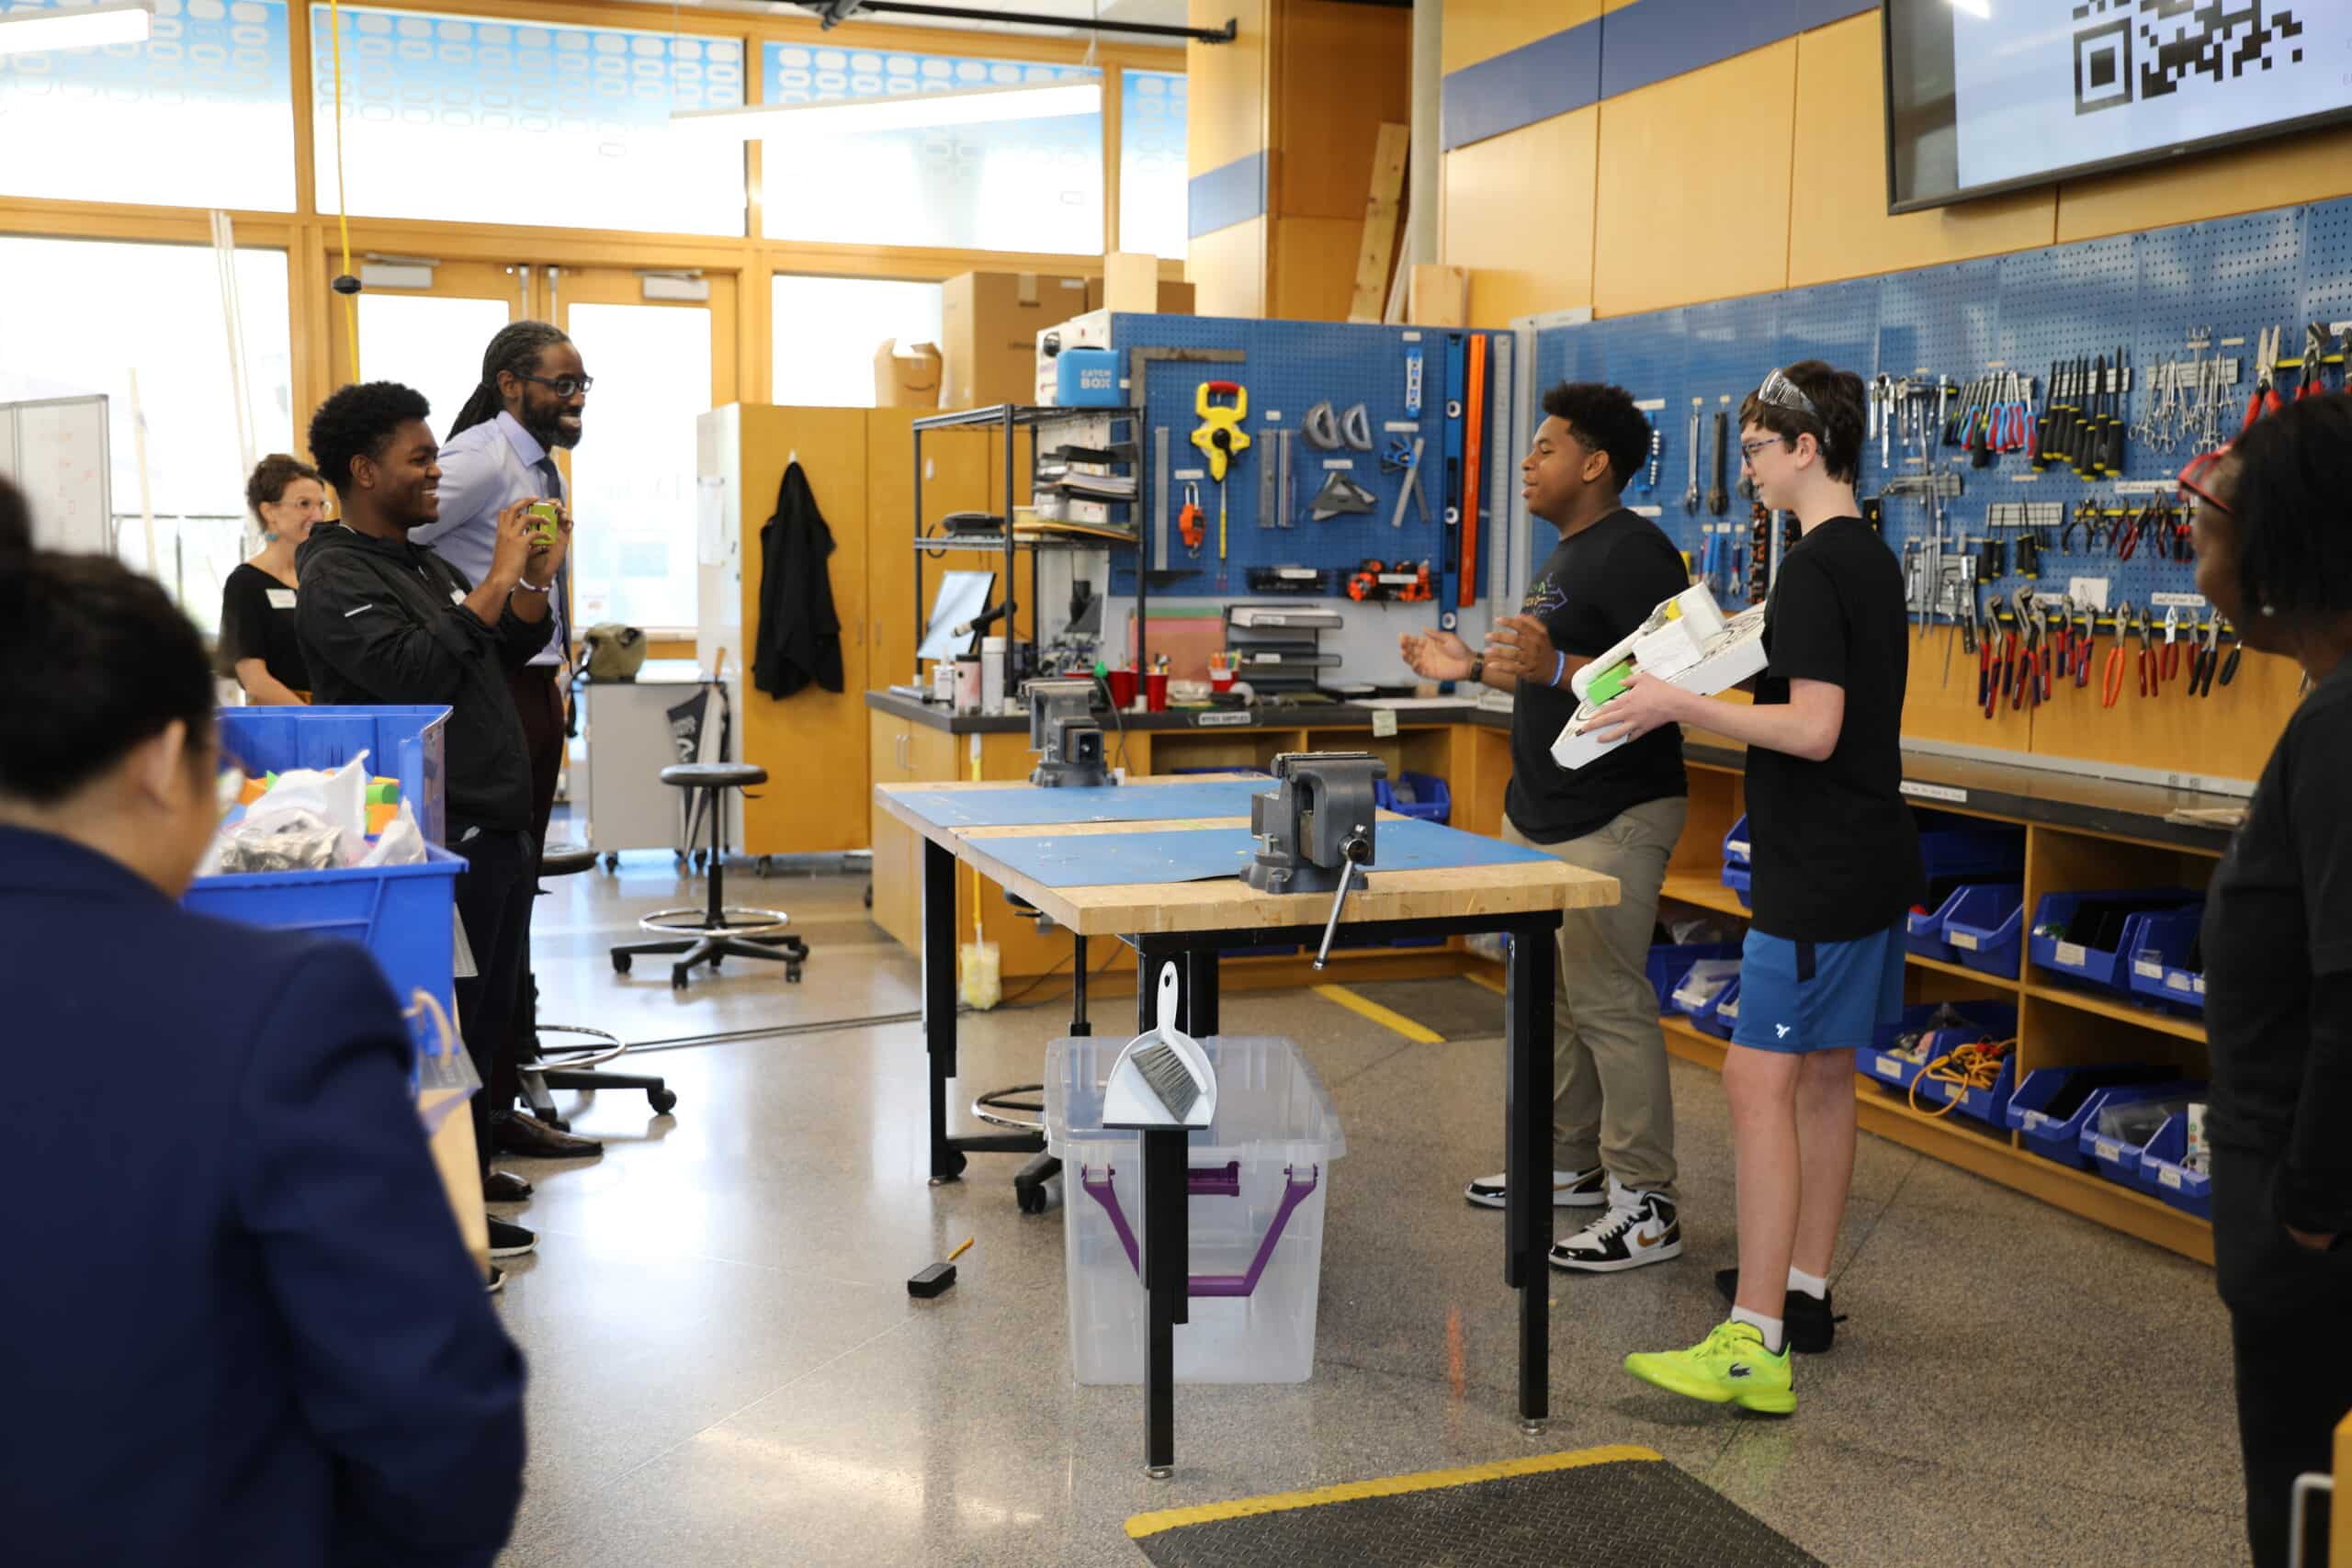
point(763, 865)
point(620, 963)
point(870, 895)
point(661, 1099)
point(954, 1168)
point(1030, 1198)
point(612, 863)
point(678, 979)
point(792, 974)
point(714, 962)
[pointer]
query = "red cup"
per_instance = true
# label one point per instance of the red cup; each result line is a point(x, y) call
point(1155, 692)
point(1220, 680)
point(1123, 688)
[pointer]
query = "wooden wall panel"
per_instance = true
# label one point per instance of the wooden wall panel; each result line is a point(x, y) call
point(1838, 225)
point(1518, 211)
point(1340, 70)
point(2314, 166)
point(1693, 189)
point(1225, 85)
point(956, 481)
point(1936, 710)
point(1312, 268)
point(1228, 270)
point(2228, 735)
point(1480, 30)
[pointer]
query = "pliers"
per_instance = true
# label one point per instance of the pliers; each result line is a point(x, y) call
point(2206, 658)
point(2149, 684)
point(2111, 677)
point(2265, 397)
point(2085, 633)
point(2230, 664)
point(2169, 666)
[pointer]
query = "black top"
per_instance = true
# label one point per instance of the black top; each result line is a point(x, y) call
point(1596, 587)
point(382, 624)
point(2278, 954)
point(1836, 853)
point(258, 622)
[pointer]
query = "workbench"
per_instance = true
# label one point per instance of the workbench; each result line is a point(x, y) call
point(1013, 836)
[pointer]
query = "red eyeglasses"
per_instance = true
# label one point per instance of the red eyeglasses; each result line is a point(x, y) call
point(2194, 476)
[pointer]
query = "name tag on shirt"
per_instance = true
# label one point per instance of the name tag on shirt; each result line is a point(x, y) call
point(457, 596)
point(281, 598)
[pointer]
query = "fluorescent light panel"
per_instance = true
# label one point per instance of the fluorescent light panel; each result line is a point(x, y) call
point(912, 111)
point(87, 26)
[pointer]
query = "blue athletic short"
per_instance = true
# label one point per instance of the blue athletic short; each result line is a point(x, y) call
point(1817, 996)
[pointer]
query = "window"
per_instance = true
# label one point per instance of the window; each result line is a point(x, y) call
point(152, 122)
point(1153, 175)
point(1034, 184)
point(495, 122)
point(80, 316)
point(431, 342)
point(633, 474)
point(828, 330)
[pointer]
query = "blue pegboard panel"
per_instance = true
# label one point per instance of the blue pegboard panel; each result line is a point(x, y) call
point(1290, 366)
point(2327, 262)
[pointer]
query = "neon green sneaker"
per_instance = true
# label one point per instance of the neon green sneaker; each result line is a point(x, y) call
point(1729, 1367)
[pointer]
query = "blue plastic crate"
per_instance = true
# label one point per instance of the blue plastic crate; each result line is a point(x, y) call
point(2154, 969)
point(2117, 1157)
point(1722, 1019)
point(2060, 1138)
point(2160, 1162)
point(403, 915)
point(404, 743)
point(2100, 966)
point(1998, 1021)
point(1922, 929)
point(1984, 927)
point(1699, 989)
point(1735, 846)
point(1430, 802)
point(1740, 879)
point(1668, 962)
point(1953, 846)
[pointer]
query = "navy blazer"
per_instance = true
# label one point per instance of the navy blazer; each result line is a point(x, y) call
point(237, 1322)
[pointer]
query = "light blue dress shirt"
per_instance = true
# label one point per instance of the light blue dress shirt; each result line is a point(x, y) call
point(484, 470)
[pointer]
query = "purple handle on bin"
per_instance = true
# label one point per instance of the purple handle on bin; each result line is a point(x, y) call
point(1226, 1182)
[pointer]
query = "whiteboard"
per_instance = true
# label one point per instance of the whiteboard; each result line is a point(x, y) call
point(56, 451)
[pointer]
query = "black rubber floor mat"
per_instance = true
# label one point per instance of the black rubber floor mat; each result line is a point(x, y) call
point(1610, 1507)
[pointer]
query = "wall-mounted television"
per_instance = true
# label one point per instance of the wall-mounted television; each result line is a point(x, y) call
point(1988, 95)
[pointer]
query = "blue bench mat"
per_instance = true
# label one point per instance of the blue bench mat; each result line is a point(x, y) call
point(1108, 860)
point(1024, 806)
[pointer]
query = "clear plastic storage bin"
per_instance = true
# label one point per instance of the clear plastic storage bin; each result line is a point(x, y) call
point(1260, 1173)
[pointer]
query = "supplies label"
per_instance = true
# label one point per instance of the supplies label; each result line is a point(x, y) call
point(1888, 1067)
point(1935, 792)
point(2107, 1151)
point(2035, 1120)
point(2176, 981)
point(1233, 720)
point(2169, 1177)
point(1384, 723)
point(2075, 955)
point(1962, 938)
point(2147, 971)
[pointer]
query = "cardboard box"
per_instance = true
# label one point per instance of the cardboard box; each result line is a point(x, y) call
point(1438, 297)
point(1175, 297)
point(906, 377)
point(990, 321)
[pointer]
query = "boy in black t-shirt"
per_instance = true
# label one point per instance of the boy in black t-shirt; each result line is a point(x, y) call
point(1836, 864)
point(1612, 1129)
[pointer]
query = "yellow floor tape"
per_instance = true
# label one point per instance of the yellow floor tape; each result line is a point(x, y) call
point(1387, 1018)
point(1143, 1525)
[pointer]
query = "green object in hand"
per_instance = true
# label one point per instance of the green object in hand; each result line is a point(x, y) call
point(550, 524)
point(1608, 683)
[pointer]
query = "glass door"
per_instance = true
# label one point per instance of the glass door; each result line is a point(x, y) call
point(425, 323)
point(661, 349)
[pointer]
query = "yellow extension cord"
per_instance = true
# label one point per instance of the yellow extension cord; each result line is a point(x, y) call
point(342, 201)
point(1977, 1065)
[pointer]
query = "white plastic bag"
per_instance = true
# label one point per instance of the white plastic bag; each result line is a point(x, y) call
point(284, 841)
point(339, 799)
point(400, 843)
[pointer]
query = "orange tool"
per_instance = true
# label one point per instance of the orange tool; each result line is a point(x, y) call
point(1474, 418)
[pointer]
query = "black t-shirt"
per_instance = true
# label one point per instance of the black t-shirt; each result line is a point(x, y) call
point(2277, 928)
point(258, 622)
point(1596, 587)
point(1835, 851)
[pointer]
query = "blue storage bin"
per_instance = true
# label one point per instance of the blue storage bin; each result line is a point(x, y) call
point(2060, 1138)
point(1736, 849)
point(2100, 966)
point(1668, 962)
point(1953, 846)
point(1738, 878)
point(2160, 1162)
point(1995, 1020)
point(1430, 802)
point(404, 743)
point(1699, 989)
point(2117, 1157)
point(403, 915)
point(2155, 968)
point(1723, 1017)
point(1984, 927)
point(1923, 930)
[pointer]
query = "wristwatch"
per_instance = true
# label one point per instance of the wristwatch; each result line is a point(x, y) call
point(1478, 668)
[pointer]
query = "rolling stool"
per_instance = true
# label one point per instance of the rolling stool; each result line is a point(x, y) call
point(569, 1066)
point(717, 930)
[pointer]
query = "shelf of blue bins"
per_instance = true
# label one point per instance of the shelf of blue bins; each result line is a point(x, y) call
point(1739, 874)
point(2053, 1105)
point(2164, 964)
point(1425, 799)
point(2178, 1165)
point(1698, 994)
point(2086, 937)
point(2119, 1135)
point(1888, 1059)
point(1668, 962)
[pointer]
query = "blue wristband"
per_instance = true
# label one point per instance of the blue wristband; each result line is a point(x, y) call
point(1561, 673)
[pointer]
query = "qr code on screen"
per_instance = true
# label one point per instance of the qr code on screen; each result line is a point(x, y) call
point(2127, 52)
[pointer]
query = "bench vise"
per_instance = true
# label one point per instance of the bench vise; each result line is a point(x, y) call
point(1064, 734)
point(1314, 830)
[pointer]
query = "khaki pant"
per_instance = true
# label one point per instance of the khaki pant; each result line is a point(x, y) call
point(1613, 1104)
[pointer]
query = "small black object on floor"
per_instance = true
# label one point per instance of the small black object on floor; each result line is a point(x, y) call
point(1614, 1507)
point(933, 1279)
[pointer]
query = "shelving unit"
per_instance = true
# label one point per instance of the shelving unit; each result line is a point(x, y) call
point(2059, 1024)
point(1008, 418)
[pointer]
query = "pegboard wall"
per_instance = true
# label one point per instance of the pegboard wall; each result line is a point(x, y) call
point(2152, 295)
point(1287, 367)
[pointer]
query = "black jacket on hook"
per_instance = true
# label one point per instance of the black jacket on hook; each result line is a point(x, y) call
point(800, 637)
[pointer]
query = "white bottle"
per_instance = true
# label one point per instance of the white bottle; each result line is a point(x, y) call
point(991, 674)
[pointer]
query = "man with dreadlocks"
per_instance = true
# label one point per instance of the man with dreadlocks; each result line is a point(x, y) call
point(499, 450)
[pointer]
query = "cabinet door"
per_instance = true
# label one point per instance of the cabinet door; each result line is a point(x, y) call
point(896, 864)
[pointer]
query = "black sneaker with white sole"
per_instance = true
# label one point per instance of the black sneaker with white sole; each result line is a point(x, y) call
point(1807, 1321)
point(1639, 1228)
point(1570, 1190)
point(508, 1239)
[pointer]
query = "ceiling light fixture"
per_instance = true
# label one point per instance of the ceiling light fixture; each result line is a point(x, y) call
point(911, 111)
point(84, 26)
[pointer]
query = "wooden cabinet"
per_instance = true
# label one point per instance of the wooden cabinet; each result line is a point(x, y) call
point(900, 750)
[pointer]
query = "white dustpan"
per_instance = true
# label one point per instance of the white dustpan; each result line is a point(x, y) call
point(1148, 1082)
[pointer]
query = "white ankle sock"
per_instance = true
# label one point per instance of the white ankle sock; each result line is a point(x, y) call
point(1768, 1327)
point(1813, 1285)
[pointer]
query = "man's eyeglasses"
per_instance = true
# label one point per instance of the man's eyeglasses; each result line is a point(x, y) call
point(2197, 479)
point(1778, 388)
point(563, 386)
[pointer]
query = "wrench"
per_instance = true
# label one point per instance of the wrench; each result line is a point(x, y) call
point(1717, 501)
point(1691, 496)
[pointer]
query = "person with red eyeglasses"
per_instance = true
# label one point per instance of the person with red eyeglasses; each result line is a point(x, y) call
point(2273, 530)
